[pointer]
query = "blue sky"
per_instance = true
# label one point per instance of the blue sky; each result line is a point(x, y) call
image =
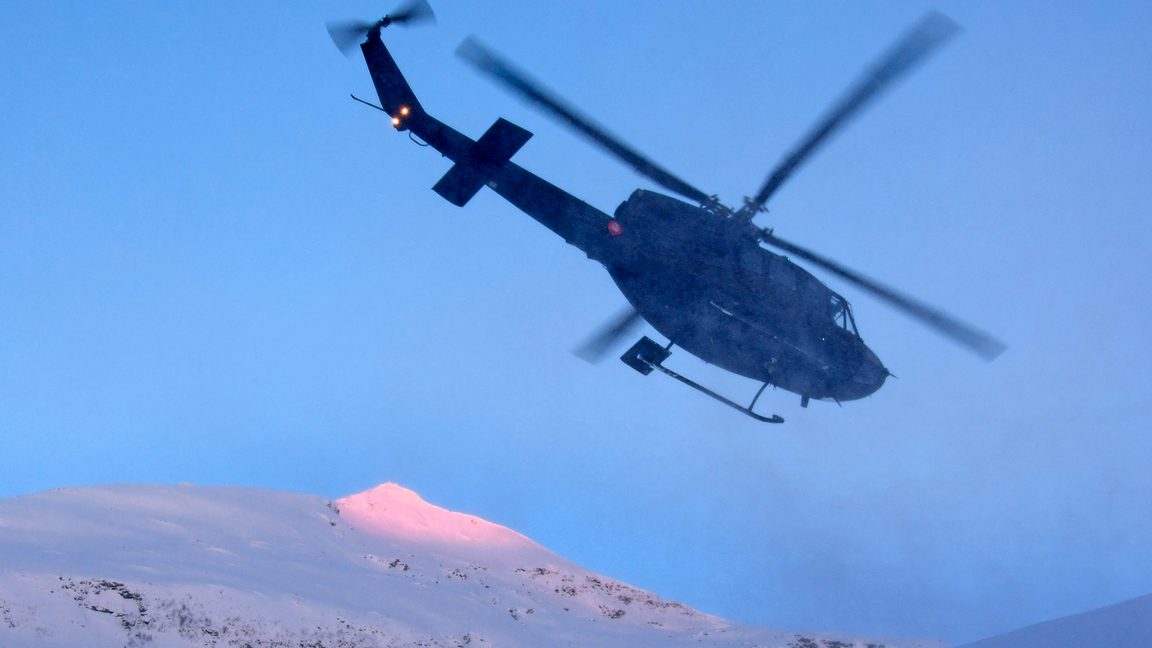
point(215, 267)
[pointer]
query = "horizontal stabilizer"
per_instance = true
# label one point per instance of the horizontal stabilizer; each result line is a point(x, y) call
point(459, 184)
point(484, 160)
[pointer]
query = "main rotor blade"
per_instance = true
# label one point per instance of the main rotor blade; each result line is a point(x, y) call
point(979, 342)
point(533, 91)
point(601, 342)
point(927, 35)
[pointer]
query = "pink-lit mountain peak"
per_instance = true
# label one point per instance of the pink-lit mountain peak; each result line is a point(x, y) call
point(392, 511)
point(110, 566)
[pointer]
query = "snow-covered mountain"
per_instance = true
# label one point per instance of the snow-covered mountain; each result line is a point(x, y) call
point(186, 565)
point(1124, 625)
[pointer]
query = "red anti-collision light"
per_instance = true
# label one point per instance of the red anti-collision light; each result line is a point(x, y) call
point(615, 228)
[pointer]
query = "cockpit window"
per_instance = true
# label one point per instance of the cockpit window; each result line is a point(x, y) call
point(842, 314)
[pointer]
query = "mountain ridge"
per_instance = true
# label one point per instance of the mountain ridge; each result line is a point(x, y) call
point(1127, 624)
point(129, 565)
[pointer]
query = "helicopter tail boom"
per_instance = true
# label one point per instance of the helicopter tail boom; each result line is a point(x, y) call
point(477, 163)
point(486, 162)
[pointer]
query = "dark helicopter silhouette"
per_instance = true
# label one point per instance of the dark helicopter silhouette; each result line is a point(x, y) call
point(698, 271)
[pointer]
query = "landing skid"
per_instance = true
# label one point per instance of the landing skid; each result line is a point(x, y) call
point(647, 354)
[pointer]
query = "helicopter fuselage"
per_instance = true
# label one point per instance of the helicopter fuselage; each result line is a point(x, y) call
point(704, 282)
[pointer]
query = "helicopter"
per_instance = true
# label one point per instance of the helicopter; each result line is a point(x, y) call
point(697, 271)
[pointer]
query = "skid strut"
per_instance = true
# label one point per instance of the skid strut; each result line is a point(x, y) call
point(647, 354)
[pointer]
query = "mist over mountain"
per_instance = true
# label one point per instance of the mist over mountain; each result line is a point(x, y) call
point(185, 565)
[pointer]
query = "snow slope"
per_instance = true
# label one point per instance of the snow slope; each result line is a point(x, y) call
point(1124, 625)
point(130, 565)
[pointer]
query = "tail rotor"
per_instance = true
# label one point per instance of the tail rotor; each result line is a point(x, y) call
point(347, 34)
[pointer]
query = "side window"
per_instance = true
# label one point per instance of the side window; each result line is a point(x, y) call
point(752, 260)
point(781, 272)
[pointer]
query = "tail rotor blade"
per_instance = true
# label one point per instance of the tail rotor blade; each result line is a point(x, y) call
point(535, 92)
point(977, 341)
point(413, 13)
point(923, 39)
point(347, 34)
point(600, 343)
